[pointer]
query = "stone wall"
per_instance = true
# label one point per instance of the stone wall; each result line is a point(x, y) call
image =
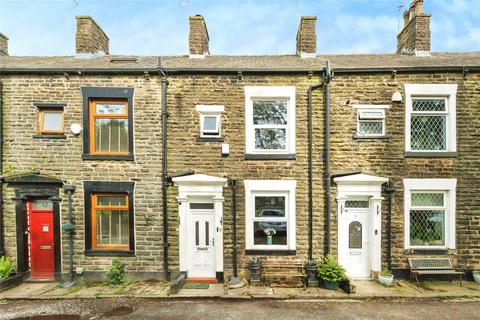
point(415, 36)
point(90, 38)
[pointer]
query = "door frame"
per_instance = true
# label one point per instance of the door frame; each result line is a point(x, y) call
point(27, 188)
point(192, 187)
point(367, 186)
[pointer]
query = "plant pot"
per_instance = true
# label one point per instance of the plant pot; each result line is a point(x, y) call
point(331, 285)
point(476, 276)
point(12, 281)
point(311, 271)
point(269, 240)
point(385, 279)
point(255, 272)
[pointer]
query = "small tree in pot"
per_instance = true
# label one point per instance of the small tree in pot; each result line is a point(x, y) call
point(331, 272)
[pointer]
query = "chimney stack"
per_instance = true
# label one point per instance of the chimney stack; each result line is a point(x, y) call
point(307, 37)
point(415, 35)
point(90, 39)
point(3, 45)
point(198, 37)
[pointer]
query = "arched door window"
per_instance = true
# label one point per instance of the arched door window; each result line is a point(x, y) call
point(355, 235)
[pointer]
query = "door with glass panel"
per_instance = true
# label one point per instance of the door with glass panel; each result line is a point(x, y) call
point(201, 241)
point(353, 246)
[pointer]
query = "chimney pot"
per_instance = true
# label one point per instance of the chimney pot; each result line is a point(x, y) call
point(90, 39)
point(198, 38)
point(415, 35)
point(3, 45)
point(307, 37)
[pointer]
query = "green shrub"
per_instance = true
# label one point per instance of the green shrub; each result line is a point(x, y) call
point(116, 273)
point(6, 267)
point(330, 270)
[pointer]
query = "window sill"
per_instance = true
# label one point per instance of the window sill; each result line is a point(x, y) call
point(357, 137)
point(49, 136)
point(210, 139)
point(426, 154)
point(110, 253)
point(256, 252)
point(284, 156)
point(127, 157)
point(426, 251)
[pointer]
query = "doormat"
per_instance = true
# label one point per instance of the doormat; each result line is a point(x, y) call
point(196, 286)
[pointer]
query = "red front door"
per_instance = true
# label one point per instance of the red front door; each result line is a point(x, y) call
point(42, 263)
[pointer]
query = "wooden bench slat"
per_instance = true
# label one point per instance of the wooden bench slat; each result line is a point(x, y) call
point(282, 268)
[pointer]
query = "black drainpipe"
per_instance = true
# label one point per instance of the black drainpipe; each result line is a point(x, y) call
point(2, 243)
point(389, 190)
point(165, 178)
point(233, 183)
point(310, 174)
point(328, 75)
point(69, 227)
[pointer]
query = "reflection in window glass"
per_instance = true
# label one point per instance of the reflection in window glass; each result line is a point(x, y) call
point(270, 124)
point(200, 206)
point(111, 135)
point(42, 204)
point(270, 225)
point(104, 108)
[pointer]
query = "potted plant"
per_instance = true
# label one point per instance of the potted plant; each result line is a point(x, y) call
point(311, 271)
point(8, 278)
point(269, 233)
point(385, 277)
point(331, 272)
point(476, 276)
point(255, 267)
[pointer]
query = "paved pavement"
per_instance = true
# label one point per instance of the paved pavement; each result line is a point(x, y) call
point(213, 309)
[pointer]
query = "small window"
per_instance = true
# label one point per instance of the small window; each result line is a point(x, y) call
point(110, 217)
point(371, 120)
point(355, 235)
point(210, 120)
point(50, 121)
point(356, 204)
point(109, 127)
point(201, 206)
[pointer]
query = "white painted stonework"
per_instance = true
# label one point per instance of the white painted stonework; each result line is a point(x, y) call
point(360, 262)
point(200, 188)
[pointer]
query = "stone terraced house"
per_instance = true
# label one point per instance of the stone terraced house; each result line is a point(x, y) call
point(198, 163)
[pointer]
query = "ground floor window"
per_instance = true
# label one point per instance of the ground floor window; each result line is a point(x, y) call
point(430, 213)
point(109, 220)
point(270, 206)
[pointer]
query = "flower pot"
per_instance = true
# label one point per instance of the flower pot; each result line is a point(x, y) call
point(269, 240)
point(385, 279)
point(476, 276)
point(331, 285)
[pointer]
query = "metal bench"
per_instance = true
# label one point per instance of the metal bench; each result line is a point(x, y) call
point(283, 269)
point(432, 266)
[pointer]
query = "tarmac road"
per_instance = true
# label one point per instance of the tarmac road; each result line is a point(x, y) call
point(109, 308)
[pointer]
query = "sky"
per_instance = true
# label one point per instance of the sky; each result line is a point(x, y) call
point(236, 27)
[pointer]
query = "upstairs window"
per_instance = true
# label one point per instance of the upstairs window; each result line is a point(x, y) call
point(107, 123)
point(210, 121)
point(109, 127)
point(50, 119)
point(370, 120)
point(430, 118)
point(270, 120)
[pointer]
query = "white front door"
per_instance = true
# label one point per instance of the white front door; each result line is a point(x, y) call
point(201, 241)
point(353, 238)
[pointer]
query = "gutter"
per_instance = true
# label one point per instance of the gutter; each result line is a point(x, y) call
point(389, 190)
point(368, 70)
point(165, 177)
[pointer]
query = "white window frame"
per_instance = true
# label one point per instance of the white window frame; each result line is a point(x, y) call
point(272, 92)
point(446, 186)
point(283, 188)
point(210, 110)
point(371, 108)
point(439, 91)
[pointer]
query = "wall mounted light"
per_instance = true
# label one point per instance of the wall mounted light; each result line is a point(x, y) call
point(225, 149)
point(396, 97)
point(76, 129)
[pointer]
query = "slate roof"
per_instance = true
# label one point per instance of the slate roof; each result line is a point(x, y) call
point(236, 63)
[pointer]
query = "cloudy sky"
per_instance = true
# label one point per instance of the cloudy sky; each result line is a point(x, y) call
point(253, 27)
